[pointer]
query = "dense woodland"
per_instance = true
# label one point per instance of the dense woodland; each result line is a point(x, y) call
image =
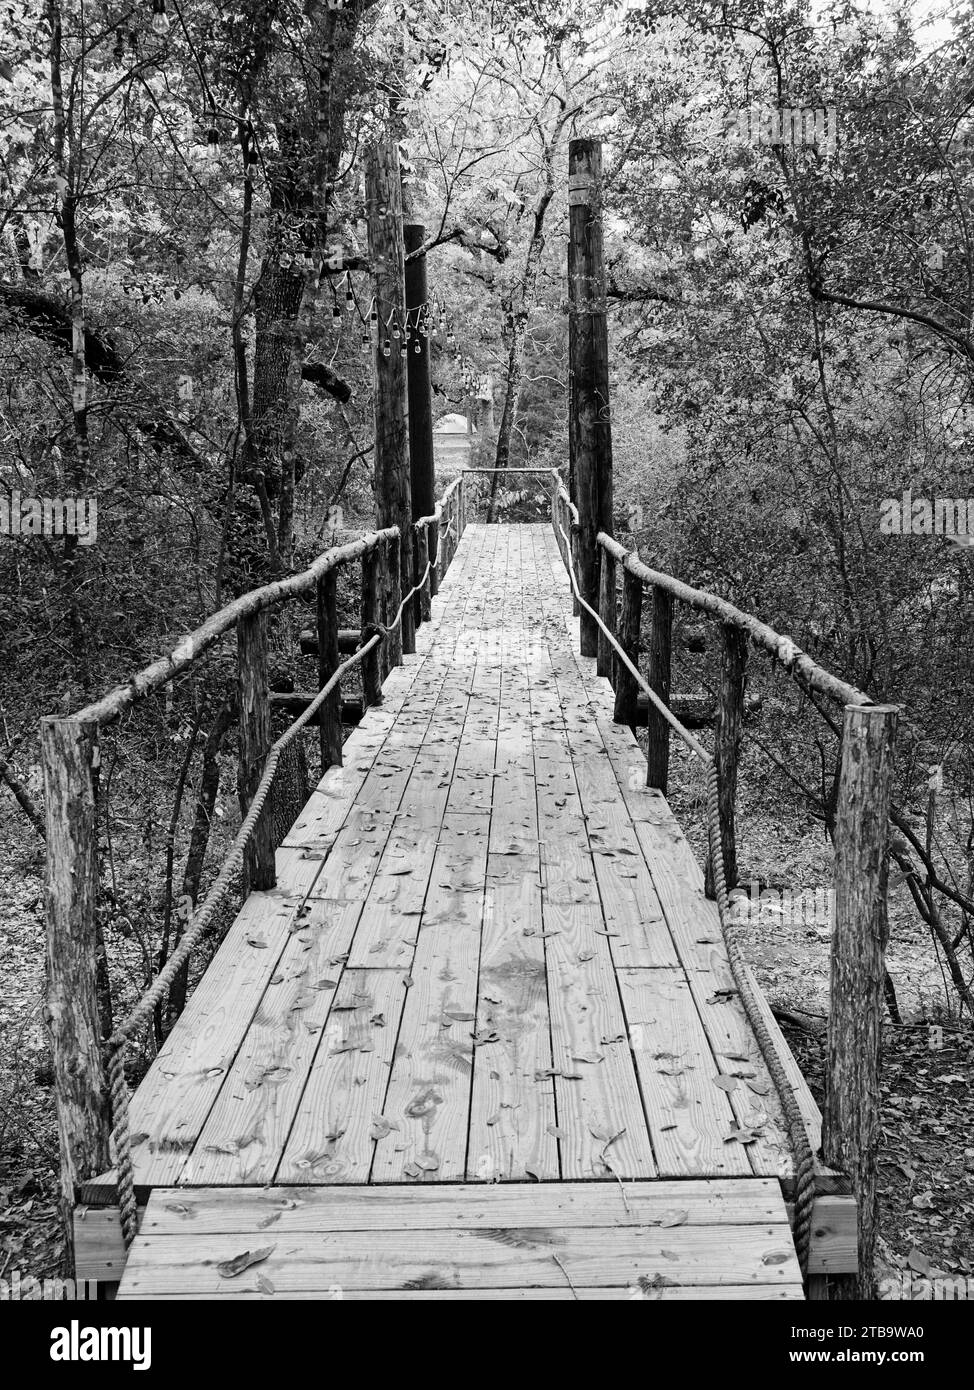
point(187, 329)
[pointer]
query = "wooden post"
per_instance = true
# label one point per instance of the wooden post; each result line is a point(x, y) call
point(422, 553)
point(419, 388)
point(330, 718)
point(629, 624)
point(69, 754)
point(605, 664)
point(394, 644)
point(851, 1120)
point(573, 550)
point(255, 742)
point(589, 429)
point(658, 676)
point(727, 741)
point(371, 678)
point(433, 542)
point(393, 492)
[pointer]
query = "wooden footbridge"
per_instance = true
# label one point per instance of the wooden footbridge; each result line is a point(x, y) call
point(482, 1038)
point(481, 1027)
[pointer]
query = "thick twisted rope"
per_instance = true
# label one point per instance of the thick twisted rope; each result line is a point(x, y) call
point(232, 865)
point(802, 1156)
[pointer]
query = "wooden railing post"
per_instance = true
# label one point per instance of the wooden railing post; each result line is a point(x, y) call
point(330, 718)
point(396, 643)
point(658, 677)
point(605, 663)
point(851, 1119)
point(255, 741)
point(433, 546)
point(629, 625)
point(371, 677)
point(572, 530)
point(727, 741)
point(69, 754)
point(422, 551)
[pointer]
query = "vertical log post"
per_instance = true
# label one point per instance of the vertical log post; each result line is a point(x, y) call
point(422, 551)
point(255, 742)
point(393, 491)
point(420, 398)
point(573, 550)
point(371, 677)
point(589, 429)
point(658, 676)
point(330, 718)
point(629, 625)
point(394, 643)
point(433, 543)
point(727, 741)
point(850, 1133)
point(69, 754)
point(605, 664)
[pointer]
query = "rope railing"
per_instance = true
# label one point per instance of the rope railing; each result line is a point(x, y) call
point(804, 1160)
point(232, 865)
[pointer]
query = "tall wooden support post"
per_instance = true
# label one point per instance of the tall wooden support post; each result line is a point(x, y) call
point(255, 741)
point(658, 675)
point(850, 1132)
point(629, 625)
point(589, 429)
point(69, 754)
point(419, 393)
point(330, 719)
point(383, 192)
point(607, 612)
point(371, 670)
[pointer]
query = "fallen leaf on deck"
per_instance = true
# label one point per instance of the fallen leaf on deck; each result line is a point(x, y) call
point(229, 1269)
point(673, 1216)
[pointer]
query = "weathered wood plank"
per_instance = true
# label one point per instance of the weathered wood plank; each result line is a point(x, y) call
point(331, 1139)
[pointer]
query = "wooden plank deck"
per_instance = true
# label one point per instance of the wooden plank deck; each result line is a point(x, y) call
point(727, 1238)
point(488, 960)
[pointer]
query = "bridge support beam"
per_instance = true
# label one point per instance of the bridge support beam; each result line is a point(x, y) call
point(383, 191)
point(419, 393)
point(851, 1127)
point(589, 428)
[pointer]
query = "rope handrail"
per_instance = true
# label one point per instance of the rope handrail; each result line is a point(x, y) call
point(787, 652)
point(194, 644)
point(233, 862)
point(794, 1120)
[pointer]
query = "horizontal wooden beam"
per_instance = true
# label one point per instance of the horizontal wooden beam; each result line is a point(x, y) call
point(348, 641)
point(99, 1247)
point(297, 701)
point(833, 1245)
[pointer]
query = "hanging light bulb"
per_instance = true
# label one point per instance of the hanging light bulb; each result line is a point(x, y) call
point(386, 348)
point(402, 350)
point(373, 314)
point(417, 346)
point(160, 20)
point(336, 313)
